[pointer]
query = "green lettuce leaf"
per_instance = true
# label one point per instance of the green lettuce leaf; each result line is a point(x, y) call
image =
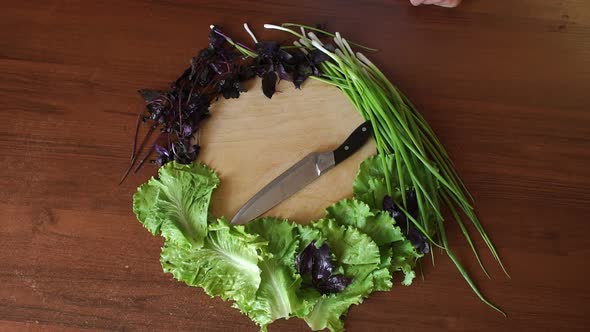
point(348, 244)
point(226, 265)
point(143, 203)
point(381, 230)
point(383, 275)
point(369, 185)
point(330, 309)
point(307, 233)
point(396, 252)
point(176, 205)
point(277, 296)
point(404, 258)
point(254, 266)
point(358, 256)
point(379, 225)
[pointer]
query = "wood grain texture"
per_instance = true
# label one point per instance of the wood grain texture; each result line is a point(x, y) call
point(252, 140)
point(504, 83)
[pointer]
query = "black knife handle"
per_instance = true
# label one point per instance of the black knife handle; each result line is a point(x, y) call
point(354, 142)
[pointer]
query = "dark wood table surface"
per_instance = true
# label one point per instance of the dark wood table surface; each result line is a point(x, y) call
point(506, 85)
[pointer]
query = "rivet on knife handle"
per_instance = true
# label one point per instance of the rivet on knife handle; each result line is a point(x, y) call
point(354, 142)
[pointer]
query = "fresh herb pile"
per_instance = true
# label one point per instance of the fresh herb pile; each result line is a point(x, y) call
point(173, 117)
point(272, 268)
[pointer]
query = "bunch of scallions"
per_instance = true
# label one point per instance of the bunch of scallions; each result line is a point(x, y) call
point(399, 129)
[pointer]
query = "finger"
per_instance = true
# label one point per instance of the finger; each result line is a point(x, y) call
point(442, 3)
point(449, 3)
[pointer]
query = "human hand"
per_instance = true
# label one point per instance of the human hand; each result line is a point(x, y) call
point(442, 3)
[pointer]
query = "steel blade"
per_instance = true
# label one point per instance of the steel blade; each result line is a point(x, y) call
point(285, 185)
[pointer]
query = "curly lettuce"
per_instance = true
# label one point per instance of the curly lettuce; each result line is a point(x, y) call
point(278, 294)
point(225, 266)
point(176, 204)
point(358, 257)
point(396, 252)
point(254, 265)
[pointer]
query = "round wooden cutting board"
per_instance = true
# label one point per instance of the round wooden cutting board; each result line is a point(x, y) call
point(251, 140)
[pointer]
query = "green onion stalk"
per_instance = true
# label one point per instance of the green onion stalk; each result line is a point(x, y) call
point(420, 161)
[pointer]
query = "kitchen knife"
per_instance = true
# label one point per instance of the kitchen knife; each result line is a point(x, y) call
point(300, 175)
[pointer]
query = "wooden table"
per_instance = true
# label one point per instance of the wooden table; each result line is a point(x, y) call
point(504, 83)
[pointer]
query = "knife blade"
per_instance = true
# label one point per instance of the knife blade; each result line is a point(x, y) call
point(300, 175)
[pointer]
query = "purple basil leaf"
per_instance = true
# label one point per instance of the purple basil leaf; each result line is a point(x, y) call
point(157, 109)
point(411, 232)
point(389, 206)
point(161, 160)
point(231, 87)
point(150, 95)
point(315, 266)
point(322, 267)
point(318, 57)
point(187, 130)
point(205, 76)
point(215, 38)
point(283, 73)
point(195, 61)
point(197, 105)
point(176, 84)
point(298, 80)
point(412, 204)
point(334, 284)
point(160, 150)
point(418, 240)
point(259, 69)
point(304, 261)
point(303, 71)
point(227, 55)
point(163, 155)
point(269, 82)
point(395, 211)
point(206, 54)
point(245, 73)
point(267, 49)
point(285, 57)
point(316, 71)
point(270, 67)
point(218, 68)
